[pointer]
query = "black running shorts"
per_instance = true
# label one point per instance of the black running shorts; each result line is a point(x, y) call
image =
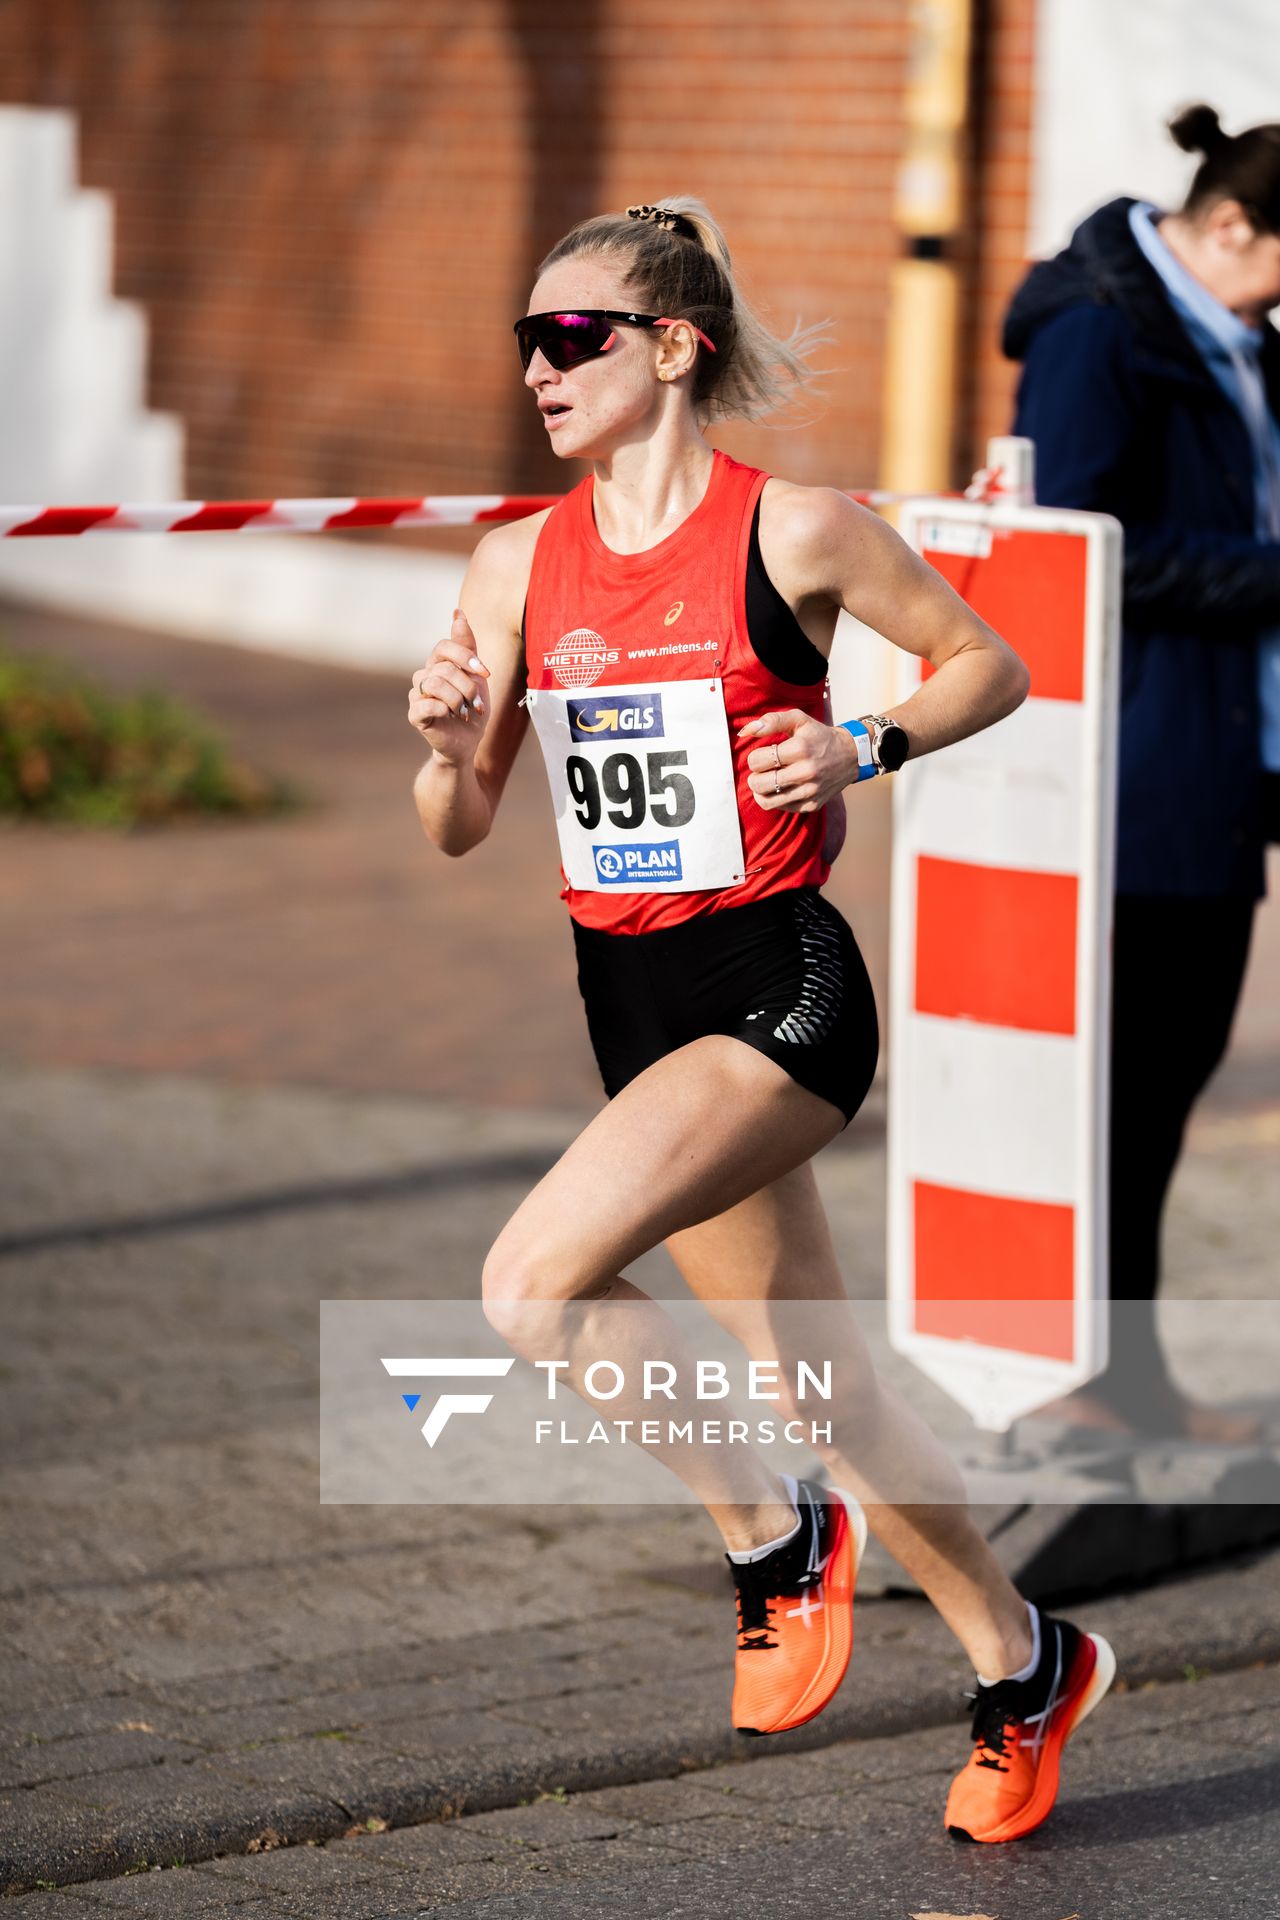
point(783, 974)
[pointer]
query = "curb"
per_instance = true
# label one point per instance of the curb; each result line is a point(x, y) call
point(213, 1812)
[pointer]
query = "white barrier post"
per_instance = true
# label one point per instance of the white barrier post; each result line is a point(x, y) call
point(999, 971)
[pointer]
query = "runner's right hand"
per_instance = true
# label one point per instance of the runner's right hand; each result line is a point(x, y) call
point(447, 704)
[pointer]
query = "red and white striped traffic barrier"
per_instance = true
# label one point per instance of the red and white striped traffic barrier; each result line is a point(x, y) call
point(295, 516)
point(999, 982)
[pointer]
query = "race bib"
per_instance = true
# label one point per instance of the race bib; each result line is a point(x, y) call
point(643, 786)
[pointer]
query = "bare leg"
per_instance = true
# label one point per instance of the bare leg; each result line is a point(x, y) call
point(775, 1246)
point(708, 1150)
point(691, 1136)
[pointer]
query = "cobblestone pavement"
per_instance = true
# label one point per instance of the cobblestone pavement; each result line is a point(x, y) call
point(193, 1651)
point(1168, 1806)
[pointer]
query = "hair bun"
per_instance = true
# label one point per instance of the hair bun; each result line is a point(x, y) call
point(667, 218)
point(1198, 130)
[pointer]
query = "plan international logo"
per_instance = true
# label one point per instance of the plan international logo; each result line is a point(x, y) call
point(651, 860)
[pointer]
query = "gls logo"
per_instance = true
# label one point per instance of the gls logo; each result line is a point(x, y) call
point(448, 1403)
point(638, 715)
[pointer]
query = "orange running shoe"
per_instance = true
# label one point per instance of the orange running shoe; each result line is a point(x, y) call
point(795, 1615)
point(1019, 1730)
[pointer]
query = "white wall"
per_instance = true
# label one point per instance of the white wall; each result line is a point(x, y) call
point(1109, 73)
point(72, 357)
point(77, 431)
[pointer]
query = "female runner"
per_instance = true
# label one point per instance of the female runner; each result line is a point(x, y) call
point(684, 605)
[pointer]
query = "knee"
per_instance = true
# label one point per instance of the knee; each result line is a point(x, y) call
point(521, 1285)
point(854, 1416)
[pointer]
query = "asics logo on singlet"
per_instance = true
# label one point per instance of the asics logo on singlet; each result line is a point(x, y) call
point(433, 1367)
point(638, 715)
point(579, 657)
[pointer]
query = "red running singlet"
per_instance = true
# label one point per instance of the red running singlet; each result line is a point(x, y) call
point(640, 672)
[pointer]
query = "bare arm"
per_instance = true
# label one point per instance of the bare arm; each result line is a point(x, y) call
point(876, 576)
point(824, 552)
point(465, 700)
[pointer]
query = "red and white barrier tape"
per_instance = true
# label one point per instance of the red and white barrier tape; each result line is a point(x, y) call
point(268, 516)
point(293, 516)
point(987, 486)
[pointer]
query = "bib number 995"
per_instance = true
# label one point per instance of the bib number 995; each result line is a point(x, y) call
point(627, 793)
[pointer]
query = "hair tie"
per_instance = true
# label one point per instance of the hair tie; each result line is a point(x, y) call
point(667, 218)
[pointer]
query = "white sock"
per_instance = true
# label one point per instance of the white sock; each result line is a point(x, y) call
point(758, 1553)
point(1023, 1673)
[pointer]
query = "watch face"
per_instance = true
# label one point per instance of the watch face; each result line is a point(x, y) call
point(892, 748)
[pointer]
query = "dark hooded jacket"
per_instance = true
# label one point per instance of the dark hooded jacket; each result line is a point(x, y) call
point(1128, 420)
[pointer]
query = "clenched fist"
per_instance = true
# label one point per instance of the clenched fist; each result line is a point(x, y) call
point(805, 765)
point(446, 698)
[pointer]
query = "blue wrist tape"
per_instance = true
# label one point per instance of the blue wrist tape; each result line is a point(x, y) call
point(867, 768)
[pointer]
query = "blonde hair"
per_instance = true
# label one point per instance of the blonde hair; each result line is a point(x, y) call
point(681, 269)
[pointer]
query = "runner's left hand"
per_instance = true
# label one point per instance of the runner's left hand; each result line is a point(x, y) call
point(812, 763)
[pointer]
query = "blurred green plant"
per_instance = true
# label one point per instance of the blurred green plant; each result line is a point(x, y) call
point(71, 752)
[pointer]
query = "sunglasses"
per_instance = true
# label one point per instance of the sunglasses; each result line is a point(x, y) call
point(567, 339)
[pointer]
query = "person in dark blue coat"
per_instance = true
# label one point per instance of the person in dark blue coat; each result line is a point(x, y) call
point(1151, 388)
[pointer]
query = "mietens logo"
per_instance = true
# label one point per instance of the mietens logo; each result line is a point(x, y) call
point(431, 1368)
point(580, 657)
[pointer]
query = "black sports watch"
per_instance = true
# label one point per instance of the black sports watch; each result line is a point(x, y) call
point(889, 743)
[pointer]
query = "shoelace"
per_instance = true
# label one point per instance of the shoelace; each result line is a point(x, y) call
point(755, 1621)
point(756, 1603)
point(755, 1627)
point(992, 1719)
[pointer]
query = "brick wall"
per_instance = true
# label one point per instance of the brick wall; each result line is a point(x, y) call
point(332, 212)
point(1003, 93)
